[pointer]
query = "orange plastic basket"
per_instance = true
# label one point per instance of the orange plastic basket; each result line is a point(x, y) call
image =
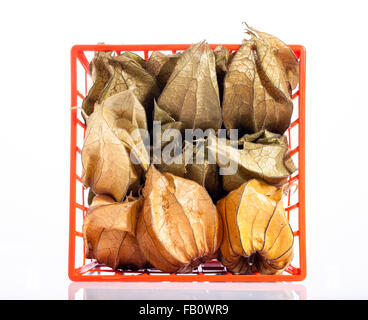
point(81, 269)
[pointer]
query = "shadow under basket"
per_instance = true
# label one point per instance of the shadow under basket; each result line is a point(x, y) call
point(82, 269)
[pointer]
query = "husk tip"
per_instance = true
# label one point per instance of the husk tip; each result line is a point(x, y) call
point(249, 30)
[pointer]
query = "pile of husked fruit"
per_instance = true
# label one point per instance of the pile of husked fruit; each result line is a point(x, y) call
point(160, 199)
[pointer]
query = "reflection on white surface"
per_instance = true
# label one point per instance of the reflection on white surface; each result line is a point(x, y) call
point(185, 291)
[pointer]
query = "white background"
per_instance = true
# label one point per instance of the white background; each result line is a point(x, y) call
point(36, 37)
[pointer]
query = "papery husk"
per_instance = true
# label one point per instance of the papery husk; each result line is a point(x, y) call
point(137, 58)
point(127, 118)
point(257, 92)
point(259, 159)
point(238, 90)
point(204, 173)
point(166, 121)
point(130, 75)
point(106, 155)
point(271, 70)
point(101, 72)
point(231, 56)
point(191, 94)
point(109, 232)
point(179, 227)
point(90, 197)
point(196, 166)
point(258, 237)
point(222, 59)
point(161, 66)
point(178, 167)
point(265, 137)
point(282, 52)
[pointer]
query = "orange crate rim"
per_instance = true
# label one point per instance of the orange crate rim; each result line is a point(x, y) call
point(92, 271)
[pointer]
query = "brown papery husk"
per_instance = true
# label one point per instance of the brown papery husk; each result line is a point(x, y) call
point(191, 94)
point(283, 53)
point(125, 114)
point(137, 58)
point(107, 168)
point(263, 156)
point(106, 163)
point(109, 232)
point(90, 196)
point(258, 236)
point(222, 59)
point(161, 66)
point(101, 72)
point(197, 167)
point(179, 227)
point(167, 122)
point(130, 75)
point(257, 96)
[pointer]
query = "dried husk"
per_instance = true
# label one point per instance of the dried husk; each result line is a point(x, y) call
point(282, 52)
point(201, 170)
point(258, 237)
point(161, 66)
point(177, 167)
point(101, 72)
point(265, 137)
point(127, 118)
point(130, 75)
point(106, 155)
point(238, 90)
point(166, 121)
point(191, 94)
point(267, 158)
point(179, 227)
point(137, 58)
point(222, 59)
point(257, 89)
point(109, 232)
point(90, 197)
point(231, 56)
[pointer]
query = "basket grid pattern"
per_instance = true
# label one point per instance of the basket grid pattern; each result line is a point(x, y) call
point(83, 269)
